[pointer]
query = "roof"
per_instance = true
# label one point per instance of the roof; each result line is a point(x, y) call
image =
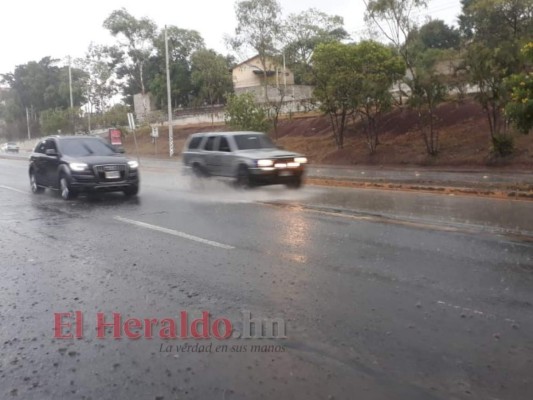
point(245, 61)
point(62, 137)
point(252, 58)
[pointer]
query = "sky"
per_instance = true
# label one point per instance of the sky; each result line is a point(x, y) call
point(33, 29)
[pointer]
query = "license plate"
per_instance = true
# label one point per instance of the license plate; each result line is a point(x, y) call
point(112, 174)
point(285, 173)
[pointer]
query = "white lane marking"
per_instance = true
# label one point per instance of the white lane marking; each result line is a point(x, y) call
point(473, 311)
point(442, 303)
point(13, 189)
point(174, 233)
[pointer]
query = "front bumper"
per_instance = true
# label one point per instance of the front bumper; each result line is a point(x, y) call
point(89, 183)
point(274, 176)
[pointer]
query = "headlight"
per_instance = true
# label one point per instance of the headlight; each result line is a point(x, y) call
point(78, 166)
point(265, 163)
point(300, 160)
point(133, 164)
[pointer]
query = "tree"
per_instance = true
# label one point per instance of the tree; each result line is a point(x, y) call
point(488, 69)
point(377, 69)
point(337, 84)
point(211, 76)
point(520, 108)
point(496, 29)
point(496, 21)
point(394, 18)
point(303, 32)
point(39, 86)
point(182, 43)
point(138, 47)
point(99, 64)
point(258, 28)
point(429, 90)
point(436, 34)
point(242, 113)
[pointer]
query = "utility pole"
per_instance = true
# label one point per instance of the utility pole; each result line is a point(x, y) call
point(89, 110)
point(169, 101)
point(28, 123)
point(284, 73)
point(71, 99)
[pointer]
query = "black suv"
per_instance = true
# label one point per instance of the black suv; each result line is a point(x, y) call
point(73, 164)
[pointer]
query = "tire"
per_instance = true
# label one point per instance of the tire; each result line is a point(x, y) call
point(197, 177)
point(242, 179)
point(295, 183)
point(66, 192)
point(35, 189)
point(132, 190)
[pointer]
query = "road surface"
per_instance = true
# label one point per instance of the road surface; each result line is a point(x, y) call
point(383, 295)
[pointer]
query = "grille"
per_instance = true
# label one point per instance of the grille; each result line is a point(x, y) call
point(284, 160)
point(100, 171)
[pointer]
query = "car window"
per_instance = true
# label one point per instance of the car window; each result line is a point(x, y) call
point(85, 147)
point(210, 144)
point(40, 148)
point(253, 141)
point(223, 144)
point(50, 145)
point(195, 142)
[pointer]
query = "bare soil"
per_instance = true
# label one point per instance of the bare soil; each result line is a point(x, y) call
point(463, 134)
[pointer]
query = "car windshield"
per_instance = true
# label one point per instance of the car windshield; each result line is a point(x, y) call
point(253, 141)
point(85, 147)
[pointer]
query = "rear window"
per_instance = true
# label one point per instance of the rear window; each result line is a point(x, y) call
point(195, 142)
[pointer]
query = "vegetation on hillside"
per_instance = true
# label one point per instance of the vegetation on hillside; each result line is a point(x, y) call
point(412, 65)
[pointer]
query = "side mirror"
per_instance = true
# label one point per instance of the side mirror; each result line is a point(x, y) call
point(51, 153)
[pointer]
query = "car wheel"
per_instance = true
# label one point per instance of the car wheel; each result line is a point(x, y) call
point(242, 180)
point(295, 183)
point(198, 171)
point(65, 190)
point(131, 190)
point(196, 177)
point(36, 189)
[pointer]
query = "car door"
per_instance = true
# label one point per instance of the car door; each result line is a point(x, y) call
point(38, 163)
point(210, 155)
point(51, 162)
point(225, 157)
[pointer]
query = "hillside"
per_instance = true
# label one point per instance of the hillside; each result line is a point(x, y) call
point(463, 129)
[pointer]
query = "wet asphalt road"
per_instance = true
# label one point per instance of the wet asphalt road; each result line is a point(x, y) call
point(385, 295)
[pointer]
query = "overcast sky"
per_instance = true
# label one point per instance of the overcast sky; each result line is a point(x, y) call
point(33, 29)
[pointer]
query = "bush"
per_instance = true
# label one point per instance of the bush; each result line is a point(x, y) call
point(242, 113)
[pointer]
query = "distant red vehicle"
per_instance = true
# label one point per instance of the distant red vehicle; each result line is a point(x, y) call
point(115, 137)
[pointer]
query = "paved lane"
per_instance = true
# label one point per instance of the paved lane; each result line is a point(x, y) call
point(374, 310)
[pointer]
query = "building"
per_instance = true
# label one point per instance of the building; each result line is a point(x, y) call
point(250, 73)
point(249, 77)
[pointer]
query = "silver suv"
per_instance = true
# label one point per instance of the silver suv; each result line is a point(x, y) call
point(250, 158)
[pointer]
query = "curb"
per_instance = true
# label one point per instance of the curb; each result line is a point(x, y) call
point(517, 192)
